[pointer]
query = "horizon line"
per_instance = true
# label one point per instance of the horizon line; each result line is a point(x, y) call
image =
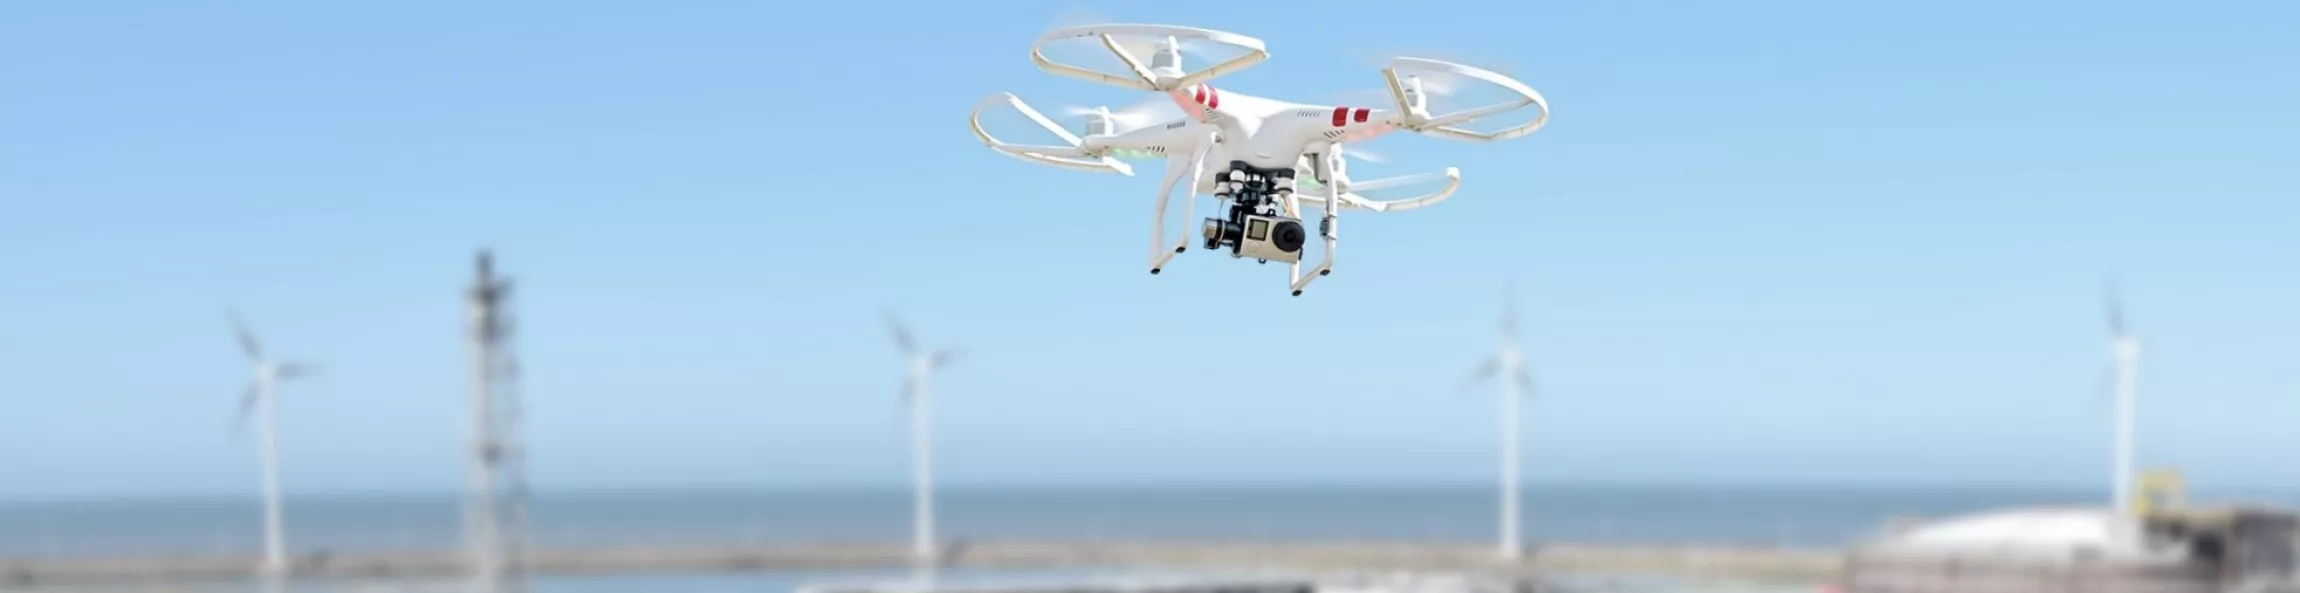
point(584, 490)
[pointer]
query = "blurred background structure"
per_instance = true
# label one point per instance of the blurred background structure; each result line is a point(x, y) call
point(496, 509)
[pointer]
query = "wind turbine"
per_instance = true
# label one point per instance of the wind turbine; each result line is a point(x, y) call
point(2124, 356)
point(258, 401)
point(921, 365)
point(1508, 364)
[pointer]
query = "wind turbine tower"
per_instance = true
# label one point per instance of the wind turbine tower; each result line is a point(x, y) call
point(917, 403)
point(496, 506)
point(1509, 365)
point(2124, 352)
point(260, 401)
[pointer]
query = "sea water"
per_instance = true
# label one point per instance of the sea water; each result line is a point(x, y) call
point(1798, 517)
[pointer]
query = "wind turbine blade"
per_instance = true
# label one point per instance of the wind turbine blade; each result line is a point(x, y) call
point(248, 344)
point(941, 358)
point(901, 334)
point(1509, 312)
point(1524, 382)
point(296, 370)
point(2115, 308)
point(247, 408)
point(903, 407)
point(1485, 370)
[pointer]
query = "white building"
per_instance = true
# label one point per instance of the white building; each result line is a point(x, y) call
point(2081, 550)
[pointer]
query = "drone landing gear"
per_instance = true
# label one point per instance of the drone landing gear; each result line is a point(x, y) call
point(1158, 262)
point(1329, 220)
point(1159, 254)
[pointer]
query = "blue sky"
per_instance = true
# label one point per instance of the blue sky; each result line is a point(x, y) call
point(1761, 241)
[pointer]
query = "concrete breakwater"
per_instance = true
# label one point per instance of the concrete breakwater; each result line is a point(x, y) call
point(1690, 561)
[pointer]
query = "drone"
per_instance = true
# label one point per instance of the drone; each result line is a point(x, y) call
point(1257, 147)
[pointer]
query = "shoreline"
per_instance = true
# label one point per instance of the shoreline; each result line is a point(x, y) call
point(1696, 561)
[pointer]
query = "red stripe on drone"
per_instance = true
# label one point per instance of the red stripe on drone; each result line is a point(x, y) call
point(1200, 97)
point(1361, 114)
point(1213, 98)
point(1341, 116)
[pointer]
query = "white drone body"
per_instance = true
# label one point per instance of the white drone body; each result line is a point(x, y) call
point(1248, 151)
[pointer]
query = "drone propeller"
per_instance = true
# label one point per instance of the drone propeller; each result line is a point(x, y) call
point(1147, 112)
point(1147, 49)
point(1408, 95)
point(1102, 121)
point(1153, 55)
point(1362, 155)
point(1141, 46)
point(1413, 82)
point(1067, 155)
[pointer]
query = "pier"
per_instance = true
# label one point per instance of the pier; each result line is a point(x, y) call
point(1736, 563)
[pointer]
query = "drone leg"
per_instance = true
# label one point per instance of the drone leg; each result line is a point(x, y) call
point(1189, 211)
point(1329, 222)
point(1294, 270)
point(1159, 254)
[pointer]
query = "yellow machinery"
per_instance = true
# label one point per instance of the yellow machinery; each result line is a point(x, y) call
point(2243, 543)
point(2159, 492)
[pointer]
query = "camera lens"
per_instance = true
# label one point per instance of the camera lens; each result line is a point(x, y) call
point(1288, 236)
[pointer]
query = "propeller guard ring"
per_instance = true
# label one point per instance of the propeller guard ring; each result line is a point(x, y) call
point(1444, 125)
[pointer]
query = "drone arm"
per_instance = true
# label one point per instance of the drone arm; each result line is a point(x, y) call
point(1352, 199)
point(1069, 157)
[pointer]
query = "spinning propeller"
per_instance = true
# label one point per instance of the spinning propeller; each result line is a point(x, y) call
point(1068, 156)
point(1412, 91)
point(1150, 67)
point(1101, 121)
